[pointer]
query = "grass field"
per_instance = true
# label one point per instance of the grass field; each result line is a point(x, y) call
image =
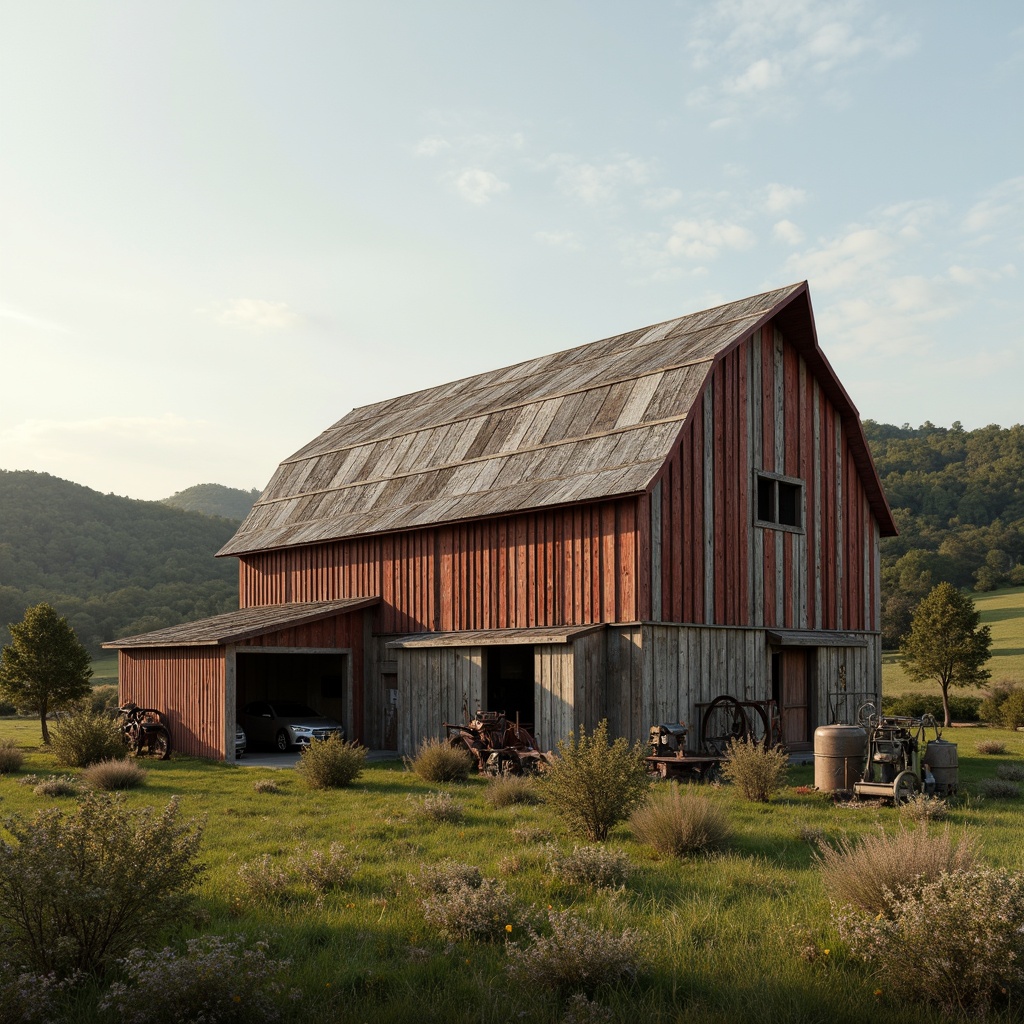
point(1003, 611)
point(743, 935)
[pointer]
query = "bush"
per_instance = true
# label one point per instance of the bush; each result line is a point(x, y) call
point(593, 784)
point(505, 790)
point(266, 786)
point(916, 705)
point(484, 912)
point(446, 876)
point(103, 700)
point(265, 882)
point(859, 873)
point(331, 763)
point(56, 785)
point(83, 737)
point(576, 955)
point(757, 771)
point(26, 998)
point(78, 891)
point(595, 866)
point(216, 980)
point(115, 774)
point(991, 747)
point(681, 820)
point(1011, 714)
point(999, 789)
point(923, 808)
point(11, 758)
point(1014, 772)
point(991, 705)
point(440, 807)
point(438, 761)
point(323, 871)
point(956, 941)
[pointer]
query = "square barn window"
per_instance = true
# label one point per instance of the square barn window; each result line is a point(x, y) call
point(779, 502)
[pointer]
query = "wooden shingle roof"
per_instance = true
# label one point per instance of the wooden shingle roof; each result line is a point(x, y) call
point(588, 423)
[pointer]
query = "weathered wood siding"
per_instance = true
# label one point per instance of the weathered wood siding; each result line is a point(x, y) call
point(571, 566)
point(436, 685)
point(188, 685)
point(661, 673)
point(761, 410)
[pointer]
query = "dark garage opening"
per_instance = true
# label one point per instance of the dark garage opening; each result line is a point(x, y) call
point(510, 682)
point(314, 679)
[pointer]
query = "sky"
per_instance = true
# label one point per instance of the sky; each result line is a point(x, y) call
point(223, 225)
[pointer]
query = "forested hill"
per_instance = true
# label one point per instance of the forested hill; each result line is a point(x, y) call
point(958, 499)
point(214, 500)
point(114, 566)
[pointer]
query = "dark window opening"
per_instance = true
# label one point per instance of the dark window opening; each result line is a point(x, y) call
point(779, 502)
point(510, 682)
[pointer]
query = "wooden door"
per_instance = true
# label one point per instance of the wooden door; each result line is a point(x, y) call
point(795, 699)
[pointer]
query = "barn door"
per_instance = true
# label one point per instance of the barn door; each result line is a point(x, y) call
point(793, 689)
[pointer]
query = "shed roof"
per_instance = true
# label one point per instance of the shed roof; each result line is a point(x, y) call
point(588, 423)
point(243, 625)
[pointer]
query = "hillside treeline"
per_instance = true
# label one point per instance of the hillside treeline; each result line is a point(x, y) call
point(958, 499)
point(113, 566)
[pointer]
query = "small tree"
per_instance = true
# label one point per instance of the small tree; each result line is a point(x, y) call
point(594, 783)
point(44, 667)
point(946, 643)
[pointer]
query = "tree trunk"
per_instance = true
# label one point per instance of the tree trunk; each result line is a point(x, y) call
point(945, 706)
point(42, 722)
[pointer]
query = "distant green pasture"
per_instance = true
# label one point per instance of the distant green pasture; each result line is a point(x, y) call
point(1003, 610)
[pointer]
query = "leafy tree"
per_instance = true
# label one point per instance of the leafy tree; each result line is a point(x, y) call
point(44, 667)
point(946, 642)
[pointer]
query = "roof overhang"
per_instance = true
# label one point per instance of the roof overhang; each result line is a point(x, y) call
point(494, 637)
point(814, 638)
point(233, 627)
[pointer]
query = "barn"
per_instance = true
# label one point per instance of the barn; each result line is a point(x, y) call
point(623, 530)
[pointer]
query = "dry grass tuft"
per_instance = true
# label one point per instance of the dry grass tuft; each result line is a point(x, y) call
point(680, 820)
point(438, 761)
point(115, 774)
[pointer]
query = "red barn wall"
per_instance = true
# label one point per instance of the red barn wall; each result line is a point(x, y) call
point(563, 567)
point(761, 410)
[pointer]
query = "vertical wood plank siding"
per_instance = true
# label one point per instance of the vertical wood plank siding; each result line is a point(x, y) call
point(436, 685)
point(187, 684)
point(761, 410)
point(570, 566)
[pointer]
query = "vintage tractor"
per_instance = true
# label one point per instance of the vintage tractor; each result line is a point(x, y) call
point(500, 747)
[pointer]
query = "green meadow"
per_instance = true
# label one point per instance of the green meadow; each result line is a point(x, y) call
point(745, 934)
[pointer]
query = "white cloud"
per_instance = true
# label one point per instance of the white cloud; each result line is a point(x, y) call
point(780, 198)
point(786, 231)
point(704, 240)
point(594, 183)
point(661, 198)
point(761, 75)
point(431, 146)
point(257, 315)
point(559, 239)
point(1001, 207)
point(478, 186)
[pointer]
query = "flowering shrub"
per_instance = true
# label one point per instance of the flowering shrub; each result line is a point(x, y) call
point(446, 876)
point(589, 865)
point(440, 807)
point(265, 881)
point(115, 774)
point(581, 1010)
point(485, 911)
point(26, 998)
point(922, 808)
point(323, 871)
point(1011, 772)
point(593, 783)
point(57, 785)
point(216, 981)
point(77, 891)
point(681, 820)
point(504, 790)
point(999, 789)
point(956, 941)
point(266, 786)
point(331, 763)
point(575, 955)
point(991, 747)
point(859, 873)
point(84, 737)
point(757, 771)
point(11, 758)
point(437, 761)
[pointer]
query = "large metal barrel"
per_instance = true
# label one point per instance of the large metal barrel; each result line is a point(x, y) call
point(839, 752)
point(940, 756)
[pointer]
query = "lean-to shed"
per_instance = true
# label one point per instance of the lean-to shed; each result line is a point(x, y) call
point(621, 530)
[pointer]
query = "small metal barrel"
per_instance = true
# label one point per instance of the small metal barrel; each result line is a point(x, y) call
point(839, 752)
point(941, 758)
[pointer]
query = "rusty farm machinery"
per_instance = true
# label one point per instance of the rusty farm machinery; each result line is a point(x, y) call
point(500, 746)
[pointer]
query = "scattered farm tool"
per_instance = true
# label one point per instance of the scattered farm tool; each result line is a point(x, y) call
point(668, 756)
point(500, 747)
point(892, 766)
point(144, 732)
point(727, 718)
